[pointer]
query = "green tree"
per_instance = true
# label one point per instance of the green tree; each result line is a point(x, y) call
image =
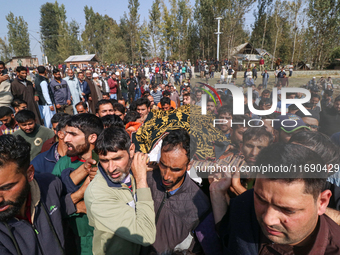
point(154, 28)
point(5, 50)
point(18, 36)
point(134, 30)
point(51, 17)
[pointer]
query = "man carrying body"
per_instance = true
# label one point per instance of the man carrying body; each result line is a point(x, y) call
point(117, 193)
point(283, 214)
point(32, 132)
point(62, 93)
point(75, 168)
point(183, 216)
point(30, 206)
point(46, 98)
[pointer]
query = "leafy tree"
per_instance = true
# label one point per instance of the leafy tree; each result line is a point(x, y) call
point(5, 50)
point(18, 36)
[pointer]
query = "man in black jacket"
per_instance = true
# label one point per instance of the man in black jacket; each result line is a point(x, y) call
point(30, 206)
point(330, 118)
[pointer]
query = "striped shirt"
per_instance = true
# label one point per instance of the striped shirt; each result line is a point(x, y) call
point(157, 96)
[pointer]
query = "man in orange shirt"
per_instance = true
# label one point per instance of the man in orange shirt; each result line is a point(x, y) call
point(167, 93)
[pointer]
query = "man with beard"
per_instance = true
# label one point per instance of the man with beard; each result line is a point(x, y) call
point(24, 90)
point(75, 90)
point(30, 206)
point(225, 114)
point(9, 124)
point(284, 213)
point(77, 168)
point(62, 93)
point(93, 97)
point(119, 202)
point(183, 213)
point(32, 132)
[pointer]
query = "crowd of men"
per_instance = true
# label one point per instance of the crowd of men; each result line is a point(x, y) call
point(73, 182)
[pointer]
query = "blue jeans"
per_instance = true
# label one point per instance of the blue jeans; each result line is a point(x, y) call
point(113, 96)
point(125, 96)
point(137, 93)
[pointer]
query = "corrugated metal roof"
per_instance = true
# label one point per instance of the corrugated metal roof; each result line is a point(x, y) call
point(80, 58)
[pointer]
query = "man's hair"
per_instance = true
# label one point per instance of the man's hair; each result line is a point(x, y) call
point(165, 100)
point(106, 94)
point(198, 91)
point(17, 102)
point(5, 111)
point(41, 69)
point(122, 98)
point(225, 109)
point(210, 101)
point(112, 121)
point(257, 134)
point(119, 107)
point(265, 101)
point(82, 103)
point(287, 155)
point(112, 139)
point(141, 101)
point(166, 93)
point(266, 91)
point(21, 68)
point(240, 119)
point(58, 116)
point(328, 92)
point(180, 138)
point(86, 123)
point(102, 102)
point(56, 71)
point(15, 149)
point(24, 115)
point(131, 116)
point(2, 63)
point(62, 122)
point(315, 95)
point(319, 143)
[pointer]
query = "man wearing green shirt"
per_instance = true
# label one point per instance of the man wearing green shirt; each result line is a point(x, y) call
point(124, 87)
point(32, 132)
point(77, 169)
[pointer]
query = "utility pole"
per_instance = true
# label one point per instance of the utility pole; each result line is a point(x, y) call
point(218, 37)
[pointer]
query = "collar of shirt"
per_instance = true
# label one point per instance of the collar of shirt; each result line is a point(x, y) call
point(77, 158)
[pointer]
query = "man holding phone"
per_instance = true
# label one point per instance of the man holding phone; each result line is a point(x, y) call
point(5, 86)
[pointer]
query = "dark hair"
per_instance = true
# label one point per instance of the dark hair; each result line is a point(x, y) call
point(82, 103)
point(15, 149)
point(20, 69)
point(86, 123)
point(56, 70)
point(287, 155)
point(166, 93)
point(112, 139)
point(2, 63)
point(257, 133)
point(225, 109)
point(41, 69)
point(62, 122)
point(133, 106)
point(119, 107)
point(165, 100)
point(5, 111)
point(141, 101)
point(17, 102)
point(198, 91)
point(315, 95)
point(319, 143)
point(106, 94)
point(112, 121)
point(102, 102)
point(179, 137)
point(131, 116)
point(238, 119)
point(58, 116)
point(113, 101)
point(265, 101)
point(122, 98)
point(266, 91)
point(328, 92)
point(292, 107)
point(24, 115)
